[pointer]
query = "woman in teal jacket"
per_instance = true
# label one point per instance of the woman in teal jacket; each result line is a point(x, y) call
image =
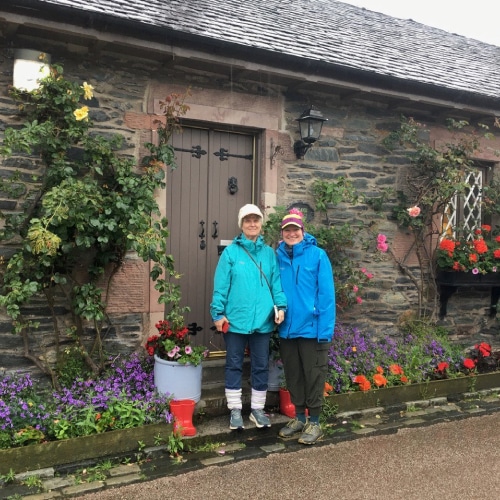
point(246, 288)
point(307, 331)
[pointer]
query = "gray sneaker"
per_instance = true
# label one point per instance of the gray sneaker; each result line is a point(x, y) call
point(293, 427)
point(312, 433)
point(260, 419)
point(236, 420)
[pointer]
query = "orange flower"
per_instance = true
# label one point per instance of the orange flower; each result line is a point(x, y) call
point(472, 257)
point(380, 370)
point(328, 388)
point(364, 383)
point(379, 380)
point(396, 370)
point(404, 379)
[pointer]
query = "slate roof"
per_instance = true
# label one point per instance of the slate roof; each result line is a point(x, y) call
point(327, 32)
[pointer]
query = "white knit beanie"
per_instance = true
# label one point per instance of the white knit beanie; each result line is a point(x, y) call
point(248, 210)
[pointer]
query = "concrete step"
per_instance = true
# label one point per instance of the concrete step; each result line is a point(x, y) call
point(213, 399)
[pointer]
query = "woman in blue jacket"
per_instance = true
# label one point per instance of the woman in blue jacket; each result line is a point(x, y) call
point(307, 331)
point(246, 288)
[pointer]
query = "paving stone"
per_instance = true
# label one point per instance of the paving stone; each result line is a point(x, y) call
point(217, 460)
point(415, 421)
point(44, 496)
point(273, 447)
point(58, 482)
point(123, 479)
point(123, 470)
point(366, 430)
point(81, 489)
point(475, 410)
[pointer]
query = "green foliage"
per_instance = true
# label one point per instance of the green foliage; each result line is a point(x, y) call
point(336, 240)
point(436, 177)
point(89, 209)
point(175, 444)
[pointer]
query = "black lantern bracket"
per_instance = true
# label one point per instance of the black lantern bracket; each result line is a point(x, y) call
point(310, 125)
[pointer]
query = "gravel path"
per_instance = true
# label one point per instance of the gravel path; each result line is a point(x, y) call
point(459, 459)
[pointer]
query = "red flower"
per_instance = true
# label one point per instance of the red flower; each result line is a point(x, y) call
point(484, 349)
point(447, 245)
point(496, 254)
point(480, 246)
point(469, 364)
point(472, 257)
point(442, 366)
point(486, 227)
point(404, 379)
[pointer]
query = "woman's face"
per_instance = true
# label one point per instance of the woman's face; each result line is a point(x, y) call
point(292, 235)
point(251, 226)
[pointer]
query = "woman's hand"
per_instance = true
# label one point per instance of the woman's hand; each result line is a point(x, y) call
point(219, 323)
point(280, 318)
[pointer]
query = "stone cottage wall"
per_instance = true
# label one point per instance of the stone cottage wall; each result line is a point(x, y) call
point(351, 146)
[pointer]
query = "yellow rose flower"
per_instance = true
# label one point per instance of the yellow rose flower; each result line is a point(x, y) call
point(87, 91)
point(82, 113)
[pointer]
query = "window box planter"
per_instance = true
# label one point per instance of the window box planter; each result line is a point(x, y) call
point(388, 396)
point(450, 281)
point(67, 451)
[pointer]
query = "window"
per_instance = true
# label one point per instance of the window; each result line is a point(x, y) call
point(465, 211)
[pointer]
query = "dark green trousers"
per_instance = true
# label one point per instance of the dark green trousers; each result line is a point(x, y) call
point(305, 363)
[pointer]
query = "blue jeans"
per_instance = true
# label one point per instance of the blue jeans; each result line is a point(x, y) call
point(258, 343)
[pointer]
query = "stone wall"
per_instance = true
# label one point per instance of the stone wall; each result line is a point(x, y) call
point(350, 146)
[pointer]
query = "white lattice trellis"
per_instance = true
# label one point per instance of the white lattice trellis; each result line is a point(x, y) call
point(470, 218)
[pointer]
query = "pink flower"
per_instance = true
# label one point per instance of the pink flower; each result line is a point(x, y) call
point(369, 275)
point(383, 247)
point(359, 300)
point(381, 238)
point(355, 288)
point(188, 349)
point(414, 211)
point(475, 271)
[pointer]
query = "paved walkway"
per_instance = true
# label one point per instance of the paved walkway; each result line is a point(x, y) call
point(438, 448)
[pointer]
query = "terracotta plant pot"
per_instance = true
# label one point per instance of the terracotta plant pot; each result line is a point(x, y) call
point(183, 411)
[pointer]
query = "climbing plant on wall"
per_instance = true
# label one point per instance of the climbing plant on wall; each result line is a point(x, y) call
point(89, 207)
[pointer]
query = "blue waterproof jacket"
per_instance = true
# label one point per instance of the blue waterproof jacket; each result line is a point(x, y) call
point(241, 292)
point(307, 280)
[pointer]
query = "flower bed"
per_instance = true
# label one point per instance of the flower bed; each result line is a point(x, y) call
point(121, 398)
point(76, 450)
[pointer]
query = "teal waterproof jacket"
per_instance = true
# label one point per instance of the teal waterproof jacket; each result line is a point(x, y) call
point(307, 280)
point(241, 292)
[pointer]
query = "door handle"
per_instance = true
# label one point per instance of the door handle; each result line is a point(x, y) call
point(216, 232)
point(202, 235)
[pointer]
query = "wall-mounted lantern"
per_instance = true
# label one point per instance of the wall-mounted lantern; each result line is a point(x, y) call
point(310, 125)
point(29, 67)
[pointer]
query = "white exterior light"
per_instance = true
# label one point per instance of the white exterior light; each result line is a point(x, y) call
point(29, 67)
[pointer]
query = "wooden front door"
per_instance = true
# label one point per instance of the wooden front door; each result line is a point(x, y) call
point(214, 178)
